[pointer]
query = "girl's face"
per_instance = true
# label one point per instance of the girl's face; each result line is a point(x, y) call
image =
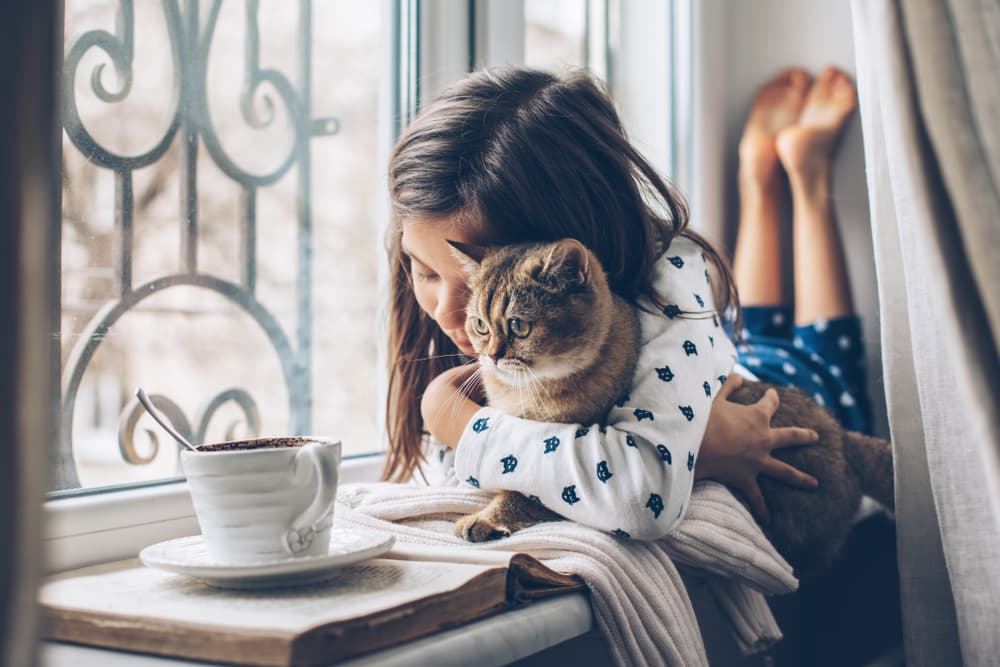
point(439, 281)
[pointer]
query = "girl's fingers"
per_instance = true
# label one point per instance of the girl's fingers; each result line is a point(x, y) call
point(792, 436)
point(732, 383)
point(769, 402)
point(783, 472)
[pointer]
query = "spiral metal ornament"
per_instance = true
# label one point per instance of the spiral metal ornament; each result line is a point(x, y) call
point(120, 49)
point(134, 411)
point(243, 400)
point(265, 91)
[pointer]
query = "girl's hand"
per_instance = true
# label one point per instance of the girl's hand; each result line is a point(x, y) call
point(738, 443)
point(446, 405)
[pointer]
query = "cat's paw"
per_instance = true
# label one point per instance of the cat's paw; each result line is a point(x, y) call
point(477, 528)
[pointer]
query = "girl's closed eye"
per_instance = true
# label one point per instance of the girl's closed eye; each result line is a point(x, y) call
point(423, 277)
point(421, 272)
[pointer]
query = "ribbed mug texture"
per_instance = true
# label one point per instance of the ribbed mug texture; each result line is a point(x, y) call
point(247, 499)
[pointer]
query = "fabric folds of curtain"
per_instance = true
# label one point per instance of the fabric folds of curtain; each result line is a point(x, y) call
point(929, 95)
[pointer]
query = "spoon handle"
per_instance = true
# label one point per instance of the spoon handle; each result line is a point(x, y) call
point(162, 420)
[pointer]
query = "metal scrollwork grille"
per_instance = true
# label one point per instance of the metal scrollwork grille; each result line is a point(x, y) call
point(191, 28)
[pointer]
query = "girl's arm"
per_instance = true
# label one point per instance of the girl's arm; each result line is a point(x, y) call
point(632, 477)
point(736, 447)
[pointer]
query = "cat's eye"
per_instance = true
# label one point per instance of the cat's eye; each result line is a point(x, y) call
point(519, 327)
point(479, 326)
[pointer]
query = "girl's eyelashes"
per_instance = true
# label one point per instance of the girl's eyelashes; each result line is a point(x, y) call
point(420, 272)
point(423, 277)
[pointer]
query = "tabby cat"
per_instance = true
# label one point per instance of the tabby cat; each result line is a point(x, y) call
point(582, 342)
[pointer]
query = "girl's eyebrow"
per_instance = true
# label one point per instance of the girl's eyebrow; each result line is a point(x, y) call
point(409, 253)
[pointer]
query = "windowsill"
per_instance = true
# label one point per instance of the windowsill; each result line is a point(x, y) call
point(110, 526)
point(99, 528)
point(497, 640)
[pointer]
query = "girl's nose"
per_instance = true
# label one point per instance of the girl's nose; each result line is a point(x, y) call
point(450, 313)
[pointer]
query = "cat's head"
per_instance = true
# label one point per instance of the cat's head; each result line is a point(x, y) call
point(536, 310)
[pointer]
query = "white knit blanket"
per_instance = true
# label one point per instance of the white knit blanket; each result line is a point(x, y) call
point(639, 601)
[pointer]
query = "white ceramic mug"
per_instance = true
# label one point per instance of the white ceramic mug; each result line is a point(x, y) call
point(265, 498)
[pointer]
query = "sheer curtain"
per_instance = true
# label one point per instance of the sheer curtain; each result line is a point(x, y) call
point(930, 111)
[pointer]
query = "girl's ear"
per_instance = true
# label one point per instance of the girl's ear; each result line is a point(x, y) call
point(565, 263)
point(471, 256)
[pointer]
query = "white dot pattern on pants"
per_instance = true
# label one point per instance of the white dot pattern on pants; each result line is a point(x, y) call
point(788, 368)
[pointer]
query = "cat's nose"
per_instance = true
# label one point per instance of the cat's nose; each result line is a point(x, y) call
point(497, 354)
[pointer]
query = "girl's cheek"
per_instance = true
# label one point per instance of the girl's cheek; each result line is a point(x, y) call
point(424, 300)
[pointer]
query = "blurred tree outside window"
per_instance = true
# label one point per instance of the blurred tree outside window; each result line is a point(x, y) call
point(179, 76)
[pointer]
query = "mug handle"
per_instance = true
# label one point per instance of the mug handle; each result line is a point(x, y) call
point(300, 536)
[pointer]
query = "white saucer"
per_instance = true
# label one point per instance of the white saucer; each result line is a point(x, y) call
point(189, 556)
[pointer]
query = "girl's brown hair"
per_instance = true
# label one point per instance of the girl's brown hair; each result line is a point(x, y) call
point(533, 157)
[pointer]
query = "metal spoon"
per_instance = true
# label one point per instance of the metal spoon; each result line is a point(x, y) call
point(162, 419)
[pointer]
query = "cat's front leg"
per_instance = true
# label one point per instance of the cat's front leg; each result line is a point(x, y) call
point(507, 513)
point(479, 527)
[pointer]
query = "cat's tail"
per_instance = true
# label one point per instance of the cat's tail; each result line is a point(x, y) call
point(872, 459)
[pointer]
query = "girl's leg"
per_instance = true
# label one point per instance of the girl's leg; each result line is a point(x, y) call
point(805, 149)
point(824, 312)
point(757, 260)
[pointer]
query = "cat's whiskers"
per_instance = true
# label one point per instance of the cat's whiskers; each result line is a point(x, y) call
point(538, 387)
point(436, 356)
point(520, 390)
point(463, 390)
point(454, 400)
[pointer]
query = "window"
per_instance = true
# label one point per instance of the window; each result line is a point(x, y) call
point(568, 33)
point(186, 267)
point(223, 204)
point(221, 239)
point(555, 33)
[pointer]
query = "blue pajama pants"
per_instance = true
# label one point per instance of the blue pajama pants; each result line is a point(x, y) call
point(825, 359)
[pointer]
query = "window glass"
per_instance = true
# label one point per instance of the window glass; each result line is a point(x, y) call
point(220, 246)
point(555, 33)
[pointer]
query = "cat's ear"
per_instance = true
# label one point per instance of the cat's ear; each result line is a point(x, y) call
point(566, 262)
point(471, 256)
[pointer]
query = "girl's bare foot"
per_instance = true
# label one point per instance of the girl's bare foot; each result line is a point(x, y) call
point(757, 259)
point(805, 148)
point(777, 106)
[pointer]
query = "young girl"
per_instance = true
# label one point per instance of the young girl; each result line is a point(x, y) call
point(520, 155)
point(816, 343)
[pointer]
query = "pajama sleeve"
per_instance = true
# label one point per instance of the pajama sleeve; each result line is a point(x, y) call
point(633, 476)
